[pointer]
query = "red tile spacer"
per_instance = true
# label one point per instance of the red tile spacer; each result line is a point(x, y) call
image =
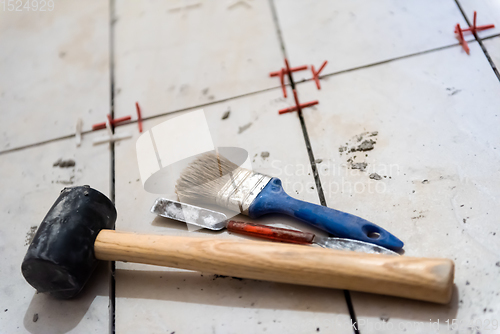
point(139, 116)
point(109, 119)
point(282, 80)
point(303, 105)
point(114, 122)
point(475, 27)
point(461, 39)
point(288, 70)
point(281, 74)
point(316, 74)
point(478, 28)
point(293, 69)
point(298, 107)
point(296, 98)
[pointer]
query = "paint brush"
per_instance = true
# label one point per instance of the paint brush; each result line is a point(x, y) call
point(215, 180)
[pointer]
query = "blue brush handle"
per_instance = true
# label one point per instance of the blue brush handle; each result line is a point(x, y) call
point(273, 199)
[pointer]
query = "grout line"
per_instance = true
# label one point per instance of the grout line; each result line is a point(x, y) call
point(246, 94)
point(354, 320)
point(490, 37)
point(48, 141)
point(480, 41)
point(112, 280)
point(208, 103)
point(319, 187)
point(386, 61)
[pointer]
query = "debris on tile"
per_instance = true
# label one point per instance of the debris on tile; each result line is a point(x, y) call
point(454, 91)
point(35, 317)
point(67, 182)
point(318, 161)
point(425, 181)
point(375, 176)
point(64, 163)
point(244, 127)
point(354, 145)
point(226, 114)
point(264, 154)
point(366, 145)
point(359, 165)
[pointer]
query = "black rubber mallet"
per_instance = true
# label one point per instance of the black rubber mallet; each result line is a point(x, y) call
point(76, 232)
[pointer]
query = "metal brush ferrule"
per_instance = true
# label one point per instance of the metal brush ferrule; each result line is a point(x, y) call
point(241, 189)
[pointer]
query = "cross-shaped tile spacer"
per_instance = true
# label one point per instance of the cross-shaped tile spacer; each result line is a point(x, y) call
point(316, 74)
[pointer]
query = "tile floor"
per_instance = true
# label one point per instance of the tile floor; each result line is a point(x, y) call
point(394, 69)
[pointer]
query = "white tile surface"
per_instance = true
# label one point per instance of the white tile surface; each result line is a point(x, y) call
point(169, 59)
point(160, 299)
point(436, 115)
point(55, 69)
point(493, 47)
point(350, 34)
point(488, 12)
point(30, 185)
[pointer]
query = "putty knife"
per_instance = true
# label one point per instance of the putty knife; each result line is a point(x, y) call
point(214, 220)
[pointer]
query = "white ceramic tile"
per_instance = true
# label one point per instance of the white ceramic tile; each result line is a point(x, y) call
point(189, 302)
point(437, 152)
point(30, 185)
point(493, 47)
point(488, 12)
point(169, 59)
point(155, 299)
point(350, 34)
point(55, 69)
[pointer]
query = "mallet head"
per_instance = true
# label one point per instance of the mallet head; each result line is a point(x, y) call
point(61, 257)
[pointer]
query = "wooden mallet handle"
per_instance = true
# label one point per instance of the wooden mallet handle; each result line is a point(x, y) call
point(416, 278)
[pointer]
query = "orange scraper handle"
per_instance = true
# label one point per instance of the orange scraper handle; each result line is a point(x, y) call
point(270, 232)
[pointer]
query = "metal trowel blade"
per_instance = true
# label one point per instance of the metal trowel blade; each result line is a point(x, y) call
point(190, 214)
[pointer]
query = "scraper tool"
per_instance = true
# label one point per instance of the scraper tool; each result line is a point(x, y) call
point(214, 220)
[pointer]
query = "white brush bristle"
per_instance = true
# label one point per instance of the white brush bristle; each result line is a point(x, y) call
point(203, 178)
